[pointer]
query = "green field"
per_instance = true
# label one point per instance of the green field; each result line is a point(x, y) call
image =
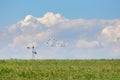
point(59, 69)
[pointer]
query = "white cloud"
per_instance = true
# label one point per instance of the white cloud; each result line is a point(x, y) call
point(43, 35)
point(23, 40)
point(81, 33)
point(12, 28)
point(111, 33)
point(86, 44)
point(51, 19)
point(32, 24)
point(29, 19)
point(110, 37)
point(79, 23)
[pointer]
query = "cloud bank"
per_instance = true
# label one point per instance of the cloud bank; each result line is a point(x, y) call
point(81, 35)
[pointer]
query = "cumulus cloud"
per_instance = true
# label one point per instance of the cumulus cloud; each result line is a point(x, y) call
point(34, 29)
point(81, 33)
point(86, 44)
point(110, 36)
point(50, 19)
point(29, 19)
point(23, 40)
point(111, 33)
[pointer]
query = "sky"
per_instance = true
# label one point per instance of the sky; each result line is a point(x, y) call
point(64, 29)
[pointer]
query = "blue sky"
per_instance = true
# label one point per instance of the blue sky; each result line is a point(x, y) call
point(12, 10)
point(91, 27)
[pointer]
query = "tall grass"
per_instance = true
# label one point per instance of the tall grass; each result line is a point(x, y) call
point(59, 69)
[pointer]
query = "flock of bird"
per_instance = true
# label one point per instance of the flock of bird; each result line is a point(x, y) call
point(52, 42)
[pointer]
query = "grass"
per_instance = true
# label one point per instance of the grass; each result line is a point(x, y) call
point(59, 69)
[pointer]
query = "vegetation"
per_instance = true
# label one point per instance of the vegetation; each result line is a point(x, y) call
point(59, 69)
